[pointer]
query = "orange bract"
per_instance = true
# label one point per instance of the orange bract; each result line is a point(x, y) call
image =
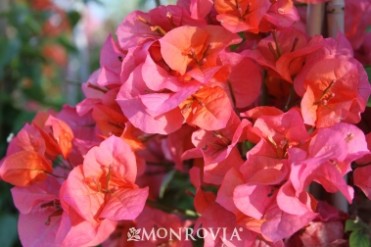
point(209, 108)
point(183, 46)
point(62, 135)
point(108, 120)
point(189, 47)
point(238, 8)
point(241, 15)
point(25, 167)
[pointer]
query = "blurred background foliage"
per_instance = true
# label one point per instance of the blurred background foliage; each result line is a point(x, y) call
point(47, 49)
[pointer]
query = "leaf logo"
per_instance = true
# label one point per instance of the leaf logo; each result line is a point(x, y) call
point(133, 234)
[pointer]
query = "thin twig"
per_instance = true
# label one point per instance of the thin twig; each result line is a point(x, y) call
point(158, 2)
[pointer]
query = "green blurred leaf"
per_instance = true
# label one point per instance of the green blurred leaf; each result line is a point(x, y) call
point(243, 39)
point(360, 233)
point(66, 43)
point(31, 51)
point(73, 17)
point(354, 225)
point(21, 119)
point(8, 50)
point(33, 25)
point(359, 238)
point(246, 146)
point(350, 225)
point(8, 230)
point(165, 182)
point(198, 243)
point(177, 193)
point(6, 201)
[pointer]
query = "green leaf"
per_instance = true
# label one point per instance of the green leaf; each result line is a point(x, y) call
point(352, 225)
point(359, 238)
point(243, 37)
point(245, 147)
point(178, 192)
point(360, 233)
point(8, 230)
point(165, 183)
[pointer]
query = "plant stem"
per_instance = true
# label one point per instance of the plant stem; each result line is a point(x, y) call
point(158, 2)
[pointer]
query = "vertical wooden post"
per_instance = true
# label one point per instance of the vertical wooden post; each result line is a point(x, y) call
point(335, 25)
point(335, 17)
point(315, 18)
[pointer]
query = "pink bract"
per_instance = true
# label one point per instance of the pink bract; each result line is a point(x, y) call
point(104, 186)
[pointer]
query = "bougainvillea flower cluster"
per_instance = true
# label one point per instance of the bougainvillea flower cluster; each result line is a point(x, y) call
point(232, 95)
